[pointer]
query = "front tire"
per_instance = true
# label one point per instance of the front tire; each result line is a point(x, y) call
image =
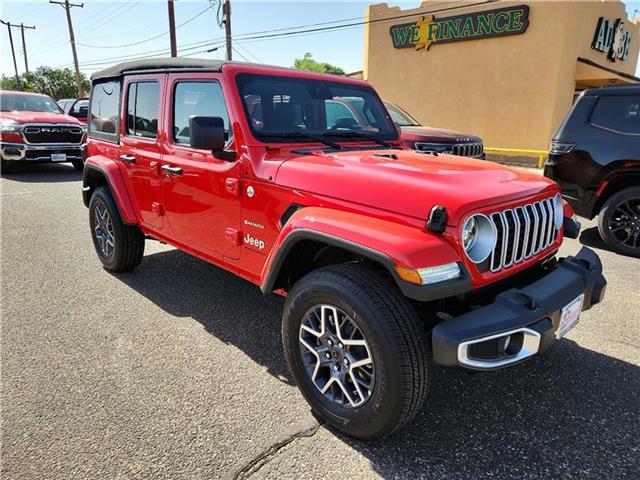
point(619, 222)
point(119, 246)
point(356, 349)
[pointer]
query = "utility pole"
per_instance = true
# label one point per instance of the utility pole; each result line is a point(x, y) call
point(227, 26)
point(67, 6)
point(172, 28)
point(23, 27)
point(13, 52)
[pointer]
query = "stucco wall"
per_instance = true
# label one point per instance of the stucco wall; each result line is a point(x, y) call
point(513, 91)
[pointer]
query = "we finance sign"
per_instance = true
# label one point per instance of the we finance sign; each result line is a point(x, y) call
point(429, 30)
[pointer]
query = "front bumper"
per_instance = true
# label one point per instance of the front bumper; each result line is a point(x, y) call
point(520, 322)
point(24, 152)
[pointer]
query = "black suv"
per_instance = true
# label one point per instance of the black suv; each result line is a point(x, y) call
point(595, 157)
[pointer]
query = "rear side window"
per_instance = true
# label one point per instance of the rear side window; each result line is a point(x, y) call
point(105, 102)
point(197, 99)
point(619, 113)
point(142, 109)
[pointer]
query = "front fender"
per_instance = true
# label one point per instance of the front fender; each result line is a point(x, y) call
point(109, 170)
point(385, 242)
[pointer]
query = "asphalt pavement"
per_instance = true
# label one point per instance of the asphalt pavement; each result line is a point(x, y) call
point(176, 371)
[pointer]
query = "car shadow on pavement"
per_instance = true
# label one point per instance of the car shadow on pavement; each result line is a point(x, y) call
point(232, 309)
point(43, 173)
point(571, 413)
point(590, 237)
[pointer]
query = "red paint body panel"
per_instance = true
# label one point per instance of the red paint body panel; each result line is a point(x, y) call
point(378, 202)
point(112, 173)
point(400, 243)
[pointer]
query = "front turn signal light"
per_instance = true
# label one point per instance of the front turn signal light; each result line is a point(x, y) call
point(429, 275)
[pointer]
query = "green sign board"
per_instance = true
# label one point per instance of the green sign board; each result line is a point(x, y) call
point(429, 30)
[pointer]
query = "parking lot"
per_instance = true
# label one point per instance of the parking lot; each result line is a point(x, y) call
point(176, 371)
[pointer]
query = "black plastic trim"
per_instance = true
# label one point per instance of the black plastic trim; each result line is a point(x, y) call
point(86, 194)
point(571, 227)
point(525, 307)
point(422, 293)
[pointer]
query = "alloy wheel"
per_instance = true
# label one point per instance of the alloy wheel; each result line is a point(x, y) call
point(103, 230)
point(625, 223)
point(336, 356)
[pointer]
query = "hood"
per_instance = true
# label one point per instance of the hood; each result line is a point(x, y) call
point(436, 135)
point(37, 117)
point(410, 183)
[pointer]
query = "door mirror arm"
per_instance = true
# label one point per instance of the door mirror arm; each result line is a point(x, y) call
point(227, 156)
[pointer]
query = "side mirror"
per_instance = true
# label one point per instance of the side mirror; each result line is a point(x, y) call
point(207, 133)
point(83, 111)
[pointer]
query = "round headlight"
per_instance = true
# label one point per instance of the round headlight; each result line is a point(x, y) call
point(558, 209)
point(478, 237)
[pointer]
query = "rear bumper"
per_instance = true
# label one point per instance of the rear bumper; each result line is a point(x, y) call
point(22, 152)
point(528, 317)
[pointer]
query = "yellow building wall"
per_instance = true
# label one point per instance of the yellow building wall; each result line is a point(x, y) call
point(512, 91)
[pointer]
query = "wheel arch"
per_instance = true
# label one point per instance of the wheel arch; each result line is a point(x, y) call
point(101, 171)
point(316, 237)
point(615, 182)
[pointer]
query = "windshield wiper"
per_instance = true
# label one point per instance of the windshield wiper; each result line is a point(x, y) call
point(301, 136)
point(357, 135)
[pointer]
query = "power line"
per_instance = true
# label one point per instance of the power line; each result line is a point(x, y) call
point(148, 39)
point(287, 32)
point(67, 6)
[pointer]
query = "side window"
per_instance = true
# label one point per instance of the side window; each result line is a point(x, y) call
point(80, 107)
point(197, 99)
point(336, 110)
point(105, 102)
point(142, 109)
point(619, 113)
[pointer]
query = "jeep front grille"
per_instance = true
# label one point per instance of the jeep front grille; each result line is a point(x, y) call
point(468, 149)
point(53, 134)
point(522, 232)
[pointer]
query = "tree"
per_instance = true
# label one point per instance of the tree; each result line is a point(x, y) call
point(310, 65)
point(56, 82)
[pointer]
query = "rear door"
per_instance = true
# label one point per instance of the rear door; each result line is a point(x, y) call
point(201, 193)
point(140, 147)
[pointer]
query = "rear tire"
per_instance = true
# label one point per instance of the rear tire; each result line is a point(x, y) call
point(78, 165)
point(619, 222)
point(399, 374)
point(119, 246)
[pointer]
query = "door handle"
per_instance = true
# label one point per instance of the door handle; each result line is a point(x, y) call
point(128, 158)
point(171, 170)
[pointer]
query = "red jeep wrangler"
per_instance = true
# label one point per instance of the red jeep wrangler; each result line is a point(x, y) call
point(390, 259)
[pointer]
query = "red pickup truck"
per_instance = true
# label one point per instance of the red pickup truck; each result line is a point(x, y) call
point(33, 128)
point(389, 259)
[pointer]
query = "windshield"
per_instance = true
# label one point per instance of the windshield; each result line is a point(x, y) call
point(10, 102)
point(282, 109)
point(400, 117)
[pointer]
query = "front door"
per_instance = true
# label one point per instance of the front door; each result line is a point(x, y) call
point(140, 150)
point(201, 193)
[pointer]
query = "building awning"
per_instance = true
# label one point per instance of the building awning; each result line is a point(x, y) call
point(590, 74)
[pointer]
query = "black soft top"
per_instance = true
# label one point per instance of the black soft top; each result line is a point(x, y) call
point(154, 64)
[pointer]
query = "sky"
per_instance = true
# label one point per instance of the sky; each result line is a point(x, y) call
point(105, 31)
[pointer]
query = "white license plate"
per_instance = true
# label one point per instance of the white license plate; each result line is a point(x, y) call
point(570, 316)
point(58, 157)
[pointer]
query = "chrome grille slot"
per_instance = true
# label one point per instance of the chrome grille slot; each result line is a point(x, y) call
point(522, 232)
